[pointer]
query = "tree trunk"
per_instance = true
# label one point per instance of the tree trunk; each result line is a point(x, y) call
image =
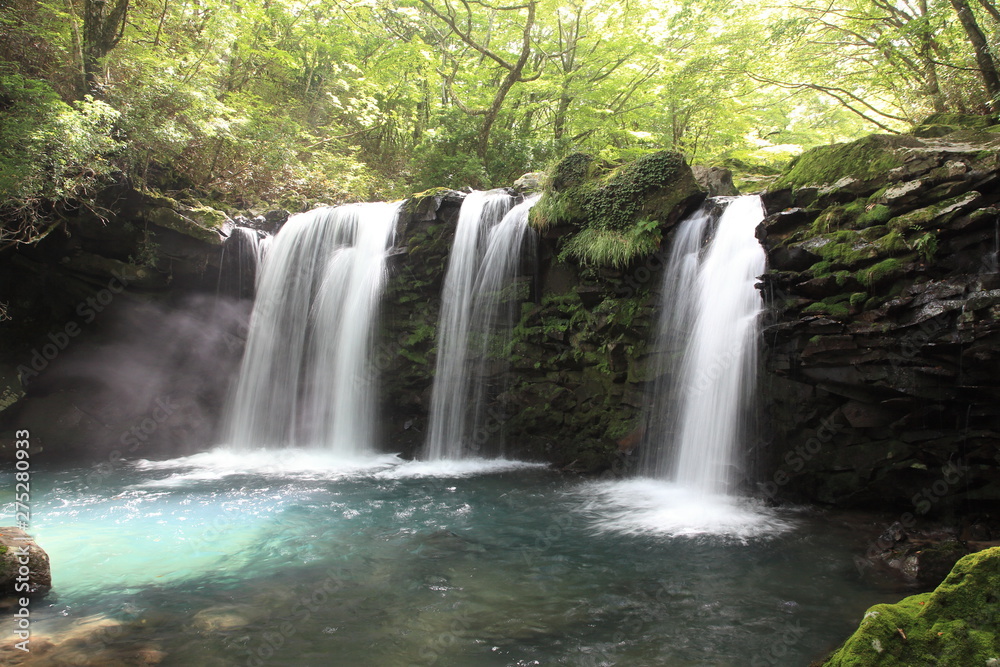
point(559, 123)
point(984, 59)
point(103, 24)
point(81, 76)
point(991, 9)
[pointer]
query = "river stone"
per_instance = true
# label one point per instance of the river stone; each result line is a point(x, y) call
point(530, 182)
point(12, 542)
point(716, 181)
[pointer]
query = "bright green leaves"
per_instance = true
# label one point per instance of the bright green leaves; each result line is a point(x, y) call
point(50, 153)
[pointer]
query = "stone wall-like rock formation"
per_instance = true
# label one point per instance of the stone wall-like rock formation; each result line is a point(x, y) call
point(118, 342)
point(882, 370)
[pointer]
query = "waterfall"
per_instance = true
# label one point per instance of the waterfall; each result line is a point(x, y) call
point(242, 254)
point(452, 383)
point(306, 377)
point(709, 331)
point(459, 421)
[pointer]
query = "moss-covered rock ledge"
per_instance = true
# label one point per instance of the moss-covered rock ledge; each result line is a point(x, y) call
point(958, 624)
point(612, 215)
point(882, 364)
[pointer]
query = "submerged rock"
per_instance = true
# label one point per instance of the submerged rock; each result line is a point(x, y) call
point(956, 624)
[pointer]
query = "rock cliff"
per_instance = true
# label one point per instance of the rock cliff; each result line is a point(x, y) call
point(882, 371)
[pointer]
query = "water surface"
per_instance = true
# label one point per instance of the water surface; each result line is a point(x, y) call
point(296, 558)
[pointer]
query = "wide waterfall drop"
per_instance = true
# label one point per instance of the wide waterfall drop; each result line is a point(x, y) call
point(480, 212)
point(476, 334)
point(306, 377)
point(709, 330)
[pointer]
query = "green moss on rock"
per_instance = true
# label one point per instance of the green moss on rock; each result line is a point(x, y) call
point(847, 248)
point(199, 222)
point(942, 124)
point(832, 306)
point(935, 215)
point(956, 624)
point(619, 213)
point(879, 272)
point(866, 159)
point(874, 215)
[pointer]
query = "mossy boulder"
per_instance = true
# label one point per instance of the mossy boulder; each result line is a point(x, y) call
point(956, 624)
point(867, 160)
point(616, 214)
point(203, 223)
point(942, 124)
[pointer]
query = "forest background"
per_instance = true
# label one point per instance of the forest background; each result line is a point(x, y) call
point(293, 102)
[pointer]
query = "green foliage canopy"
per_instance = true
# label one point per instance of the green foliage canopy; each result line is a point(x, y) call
point(292, 102)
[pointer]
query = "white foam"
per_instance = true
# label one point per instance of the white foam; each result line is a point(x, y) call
point(455, 468)
point(288, 463)
point(313, 464)
point(646, 506)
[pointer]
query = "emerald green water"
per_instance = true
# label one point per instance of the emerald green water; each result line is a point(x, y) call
point(291, 558)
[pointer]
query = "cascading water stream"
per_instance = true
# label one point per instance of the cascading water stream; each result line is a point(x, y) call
point(709, 334)
point(452, 382)
point(306, 378)
point(487, 319)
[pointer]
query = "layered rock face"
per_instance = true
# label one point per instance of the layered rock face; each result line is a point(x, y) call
point(882, 369)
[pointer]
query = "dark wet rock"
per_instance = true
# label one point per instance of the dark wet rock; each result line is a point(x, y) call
point(905, 275)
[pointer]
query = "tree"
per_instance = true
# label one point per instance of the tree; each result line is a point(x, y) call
point(103, 28)
point(984, 59)
point(512, 66)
